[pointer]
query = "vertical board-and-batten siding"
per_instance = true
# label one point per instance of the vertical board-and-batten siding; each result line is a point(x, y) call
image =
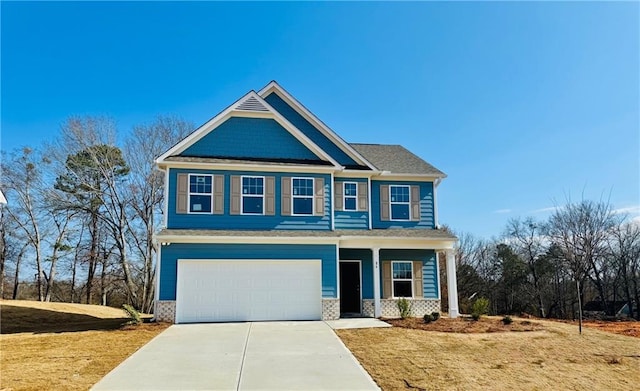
point(171, 253)
point(349, 219)
point(308, 129)
point(275, 216)
point(240, 137)
point(421, 197)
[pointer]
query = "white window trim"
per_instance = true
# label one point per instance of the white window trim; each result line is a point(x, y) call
point(312, 196)
point(393, 290)
point(242, 195)
point(189, 194)
point(344, 197)
point(391, 203)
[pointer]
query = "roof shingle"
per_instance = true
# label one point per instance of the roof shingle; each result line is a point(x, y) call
point(395, 159)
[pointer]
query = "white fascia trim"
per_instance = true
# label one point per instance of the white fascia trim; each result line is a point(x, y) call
point(386, 175)
point(309, 116)
point(246, 239)
point(230, 112)
point(395, 243)
point(356, 174)
point(247, 167)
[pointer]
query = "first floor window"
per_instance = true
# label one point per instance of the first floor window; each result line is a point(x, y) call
point(402, 278)
point(400, 202)
point(200, 193)
point(350, 196)
point(302, 196)
point(252, 195)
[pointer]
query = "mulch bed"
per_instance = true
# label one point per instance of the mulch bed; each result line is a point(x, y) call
point(466, 325)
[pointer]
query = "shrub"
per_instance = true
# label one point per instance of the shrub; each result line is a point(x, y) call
point(435, 316)
point(480, 307)
point(428, 318)
point(507, 320)
point(132, 314)
point(404, 306)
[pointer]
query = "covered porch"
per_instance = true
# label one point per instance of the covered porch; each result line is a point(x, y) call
point(378, 267)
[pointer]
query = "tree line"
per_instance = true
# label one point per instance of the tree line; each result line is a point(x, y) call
point(82, 212)
point(584, 251)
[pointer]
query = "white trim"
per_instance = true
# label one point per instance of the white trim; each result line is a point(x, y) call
point(399, 203)
point(247, 239)
point(370, 207)
point(388, 176)
point(248, 167)
point(338, 272)
point(393, 289)
point(165, 207)
point(332, 201)
point(202, 194)
point(359, 262)
point(273, 86)
point(435, 205)
point(242, 212)
point(360, 174)
point(312, 196)
point(452, 284)
point(231, 112)
point(157, 277)
point(344, 196)
point(377, 309)
point(437, 275)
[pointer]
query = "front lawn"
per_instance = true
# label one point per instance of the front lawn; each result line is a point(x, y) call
point(555, 358)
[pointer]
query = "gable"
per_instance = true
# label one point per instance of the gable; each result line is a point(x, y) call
point(309, 130)
point(242, 137)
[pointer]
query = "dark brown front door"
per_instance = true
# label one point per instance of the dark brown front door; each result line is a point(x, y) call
point(349, 287)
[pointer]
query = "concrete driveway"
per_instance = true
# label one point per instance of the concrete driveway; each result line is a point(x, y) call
point(241, 356)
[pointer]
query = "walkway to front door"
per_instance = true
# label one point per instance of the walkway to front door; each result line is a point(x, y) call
point(350, 288)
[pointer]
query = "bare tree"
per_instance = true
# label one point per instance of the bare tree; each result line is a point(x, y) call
point(624, 246)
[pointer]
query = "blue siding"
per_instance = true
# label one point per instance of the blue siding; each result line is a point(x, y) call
point(309, 130)
point(426, 206)
point(350, 219)
point(173, 252)
point(366, 257)
point(430, 278)
point(246, 222)
point(250, 138)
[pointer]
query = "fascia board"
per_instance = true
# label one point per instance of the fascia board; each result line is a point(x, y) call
point(245, 239)
point(396, 243)
point(247, 167)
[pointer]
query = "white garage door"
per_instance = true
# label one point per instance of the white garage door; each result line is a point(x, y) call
point(248, 290)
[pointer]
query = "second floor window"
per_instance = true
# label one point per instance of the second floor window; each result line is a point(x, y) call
point(350, 196)
point(302, 196)
point(252, 195)
point(400, 202)
point(200, 193)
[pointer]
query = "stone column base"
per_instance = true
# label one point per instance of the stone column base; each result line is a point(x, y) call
point(165, 311)
point(330, 309)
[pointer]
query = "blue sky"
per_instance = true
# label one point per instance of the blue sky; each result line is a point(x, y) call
point(521, 104)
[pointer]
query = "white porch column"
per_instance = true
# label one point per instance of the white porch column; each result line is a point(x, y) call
point(376, 282)
point(452, 284)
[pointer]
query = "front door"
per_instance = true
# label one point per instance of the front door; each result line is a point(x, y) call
point(350, 287)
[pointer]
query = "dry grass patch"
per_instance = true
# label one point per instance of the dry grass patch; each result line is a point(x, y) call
point(554, 358)
point(64, 350)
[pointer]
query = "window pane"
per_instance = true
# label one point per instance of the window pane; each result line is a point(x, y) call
point(399, 194)
point(402, 270)
point(252, 185)
point(350, 203)
point(402, 289)
point(252, 205)
point(200, 203)
point(399, 211)
point(303, 187)
point(303, 206)
point(200, 184)
point(350, 189)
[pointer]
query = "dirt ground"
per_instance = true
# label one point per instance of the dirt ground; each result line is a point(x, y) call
point(467, 325)
point(629, 328)
point(45, 348)
point(554, 358)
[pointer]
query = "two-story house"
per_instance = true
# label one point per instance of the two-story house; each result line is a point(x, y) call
point(270, 215)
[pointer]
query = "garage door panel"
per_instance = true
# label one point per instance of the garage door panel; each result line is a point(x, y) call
point(247, 290)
